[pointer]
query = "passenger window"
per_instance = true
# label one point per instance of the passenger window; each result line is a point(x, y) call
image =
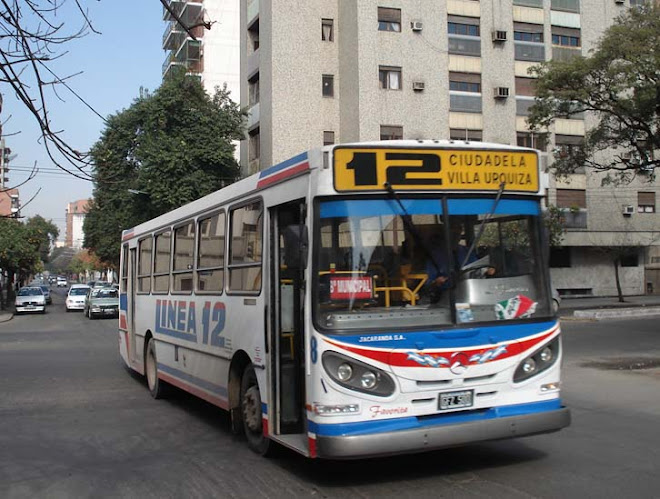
point(245, 248)
point(211, 254)
point(184, 244)
point(144, 265)
point(162, 262)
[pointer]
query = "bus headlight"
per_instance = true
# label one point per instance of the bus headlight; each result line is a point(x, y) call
point(539, 361)
point(356, 375)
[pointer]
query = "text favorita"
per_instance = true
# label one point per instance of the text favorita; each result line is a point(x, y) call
point(377, 410)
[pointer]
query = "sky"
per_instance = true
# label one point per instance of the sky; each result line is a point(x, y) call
point(113, 66)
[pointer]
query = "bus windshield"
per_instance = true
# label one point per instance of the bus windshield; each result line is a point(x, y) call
point(381, 264)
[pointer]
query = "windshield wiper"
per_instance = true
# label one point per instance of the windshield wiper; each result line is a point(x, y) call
point(490, 214)
point(412, 229)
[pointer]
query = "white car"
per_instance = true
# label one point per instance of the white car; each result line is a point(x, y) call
point(62, 282)
point(30, 299)
point(75, 299)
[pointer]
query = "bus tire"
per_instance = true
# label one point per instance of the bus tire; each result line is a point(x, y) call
point(251, 412)
point(157, 387)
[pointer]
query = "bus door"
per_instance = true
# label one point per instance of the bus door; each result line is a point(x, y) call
point(288, 243)
point(130, 305)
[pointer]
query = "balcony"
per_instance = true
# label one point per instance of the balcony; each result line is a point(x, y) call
point(172, 36)
point(187, 11)
point(190, 50)
point(170, 65)
point(574, 218)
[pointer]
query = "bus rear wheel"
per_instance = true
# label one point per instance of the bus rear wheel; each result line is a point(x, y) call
point(251, 413)
point(157, 388)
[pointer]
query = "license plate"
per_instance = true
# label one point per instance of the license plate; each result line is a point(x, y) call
point(455, 400)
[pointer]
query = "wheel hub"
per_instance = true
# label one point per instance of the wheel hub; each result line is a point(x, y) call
point(251, 409)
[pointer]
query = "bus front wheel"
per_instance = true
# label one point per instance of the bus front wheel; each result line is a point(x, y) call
point(251, 412)
point(156, 386)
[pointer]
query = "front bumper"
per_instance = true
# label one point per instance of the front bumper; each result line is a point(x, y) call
point(75, 306)
point(431, 437)
point(33, 308)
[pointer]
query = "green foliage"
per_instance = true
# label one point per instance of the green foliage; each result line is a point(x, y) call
point(619, 83)
point(42, 233)
point(18, 251)
point(553, 218)
point(172, 147)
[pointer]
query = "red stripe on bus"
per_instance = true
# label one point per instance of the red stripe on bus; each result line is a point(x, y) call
point(311, 442)
point(282, 175)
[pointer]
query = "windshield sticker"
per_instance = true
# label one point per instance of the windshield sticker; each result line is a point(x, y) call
point(518, 307)
point(464, 312)
point(350, 288)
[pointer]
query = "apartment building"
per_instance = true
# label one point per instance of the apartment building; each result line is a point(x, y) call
point(326, 71)
point(214, 54)
point(75, 217)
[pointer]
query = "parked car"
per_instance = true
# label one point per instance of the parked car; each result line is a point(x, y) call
point(62, 282)
point(46, 290)
point(102, 302)
point(75, 299)
point(30, 299)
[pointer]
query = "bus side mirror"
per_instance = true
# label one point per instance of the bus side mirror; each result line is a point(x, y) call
point(296, 245)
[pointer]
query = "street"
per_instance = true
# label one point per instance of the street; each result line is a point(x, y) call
point(76, 423)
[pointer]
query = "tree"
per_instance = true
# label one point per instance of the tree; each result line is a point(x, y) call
point(619, 82)
point(169, 148)
point(42, 233)
point(18, 255)
point(84, 261)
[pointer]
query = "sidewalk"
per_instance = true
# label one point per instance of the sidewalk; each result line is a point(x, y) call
point(607, 307)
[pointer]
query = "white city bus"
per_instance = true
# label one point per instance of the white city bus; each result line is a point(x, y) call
point(356, 300)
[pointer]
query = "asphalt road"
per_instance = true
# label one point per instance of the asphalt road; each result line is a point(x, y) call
point(75, 423)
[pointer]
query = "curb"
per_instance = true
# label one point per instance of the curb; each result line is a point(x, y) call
point(617, 313)
point(6, 317)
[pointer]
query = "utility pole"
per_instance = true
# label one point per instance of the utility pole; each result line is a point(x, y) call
point(4, 163)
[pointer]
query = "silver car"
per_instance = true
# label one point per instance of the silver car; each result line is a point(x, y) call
point(30, 299)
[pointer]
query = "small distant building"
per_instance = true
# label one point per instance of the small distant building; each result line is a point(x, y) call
point(75, 216)
point(9, 203)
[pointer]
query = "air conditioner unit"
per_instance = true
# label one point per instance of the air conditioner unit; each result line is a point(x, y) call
point(418, 86)
point(416, 25)
point(499, 35)
point(628, 210)
point(501, 92)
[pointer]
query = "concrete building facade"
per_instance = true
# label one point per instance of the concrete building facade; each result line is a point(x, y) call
point(345, 71)
point(75, 217)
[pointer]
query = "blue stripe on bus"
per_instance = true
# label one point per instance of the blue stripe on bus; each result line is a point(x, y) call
point(504, 207)
point(194, 380)
point(452, 338)
point(123, 301)
point(411, 423)
point(372, 207)
point(284, 164)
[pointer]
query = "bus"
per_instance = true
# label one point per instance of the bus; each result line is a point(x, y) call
point(356, 300)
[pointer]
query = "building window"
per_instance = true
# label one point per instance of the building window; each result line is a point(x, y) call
point(162, 262)
point(565, 5)
point(328, 138)
point(389, 19)
point(182, 263)
point(254, 144)
point(211, 253)
point(560, 257)
point(630, 259)
point(568, 145)
point(253, 36)
point(144, 265)
point(466, 134)
point(523, 36)
point(646, 202)
point(534, 140)
point(390, 77)
point(245, 248)
point(463, 29)
point(525, 86)
point(327, 30)
point(464, 82)
point(328, 85)
point(572, 198)
point(253, 90)
point(566, 37)
point(389, 132)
